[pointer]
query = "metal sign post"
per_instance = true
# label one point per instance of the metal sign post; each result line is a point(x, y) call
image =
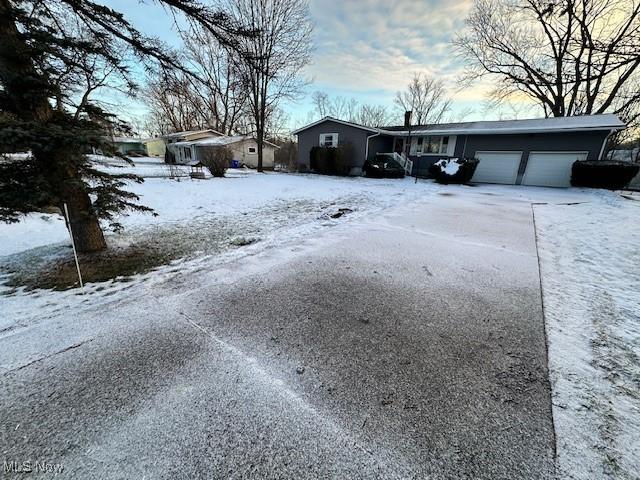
point(73, 245)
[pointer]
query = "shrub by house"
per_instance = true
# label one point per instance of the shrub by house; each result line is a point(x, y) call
point(217, 160)
point(332, 160)
point(611, 175)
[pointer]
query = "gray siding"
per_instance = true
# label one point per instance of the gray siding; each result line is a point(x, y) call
point(309, 138)
point(590, 142)
point(380, 144)
point(551, 142)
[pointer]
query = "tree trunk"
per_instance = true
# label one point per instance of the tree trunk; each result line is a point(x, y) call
point(260, 140)
point(29, 102)
point(85, 227)
point(259, 114)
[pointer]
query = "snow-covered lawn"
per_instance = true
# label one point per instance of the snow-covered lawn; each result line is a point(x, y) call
point(590, 263)
point(589, 259)
point(199, 223)
point(146, 167)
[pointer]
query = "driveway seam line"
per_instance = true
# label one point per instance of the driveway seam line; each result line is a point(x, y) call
point(546, 339)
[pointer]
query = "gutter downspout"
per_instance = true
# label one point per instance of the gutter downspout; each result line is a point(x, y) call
point(366, 148)
point(604, 143)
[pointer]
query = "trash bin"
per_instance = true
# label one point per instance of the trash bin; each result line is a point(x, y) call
point(235, 164)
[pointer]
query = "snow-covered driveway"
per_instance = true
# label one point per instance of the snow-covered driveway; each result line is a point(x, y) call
point(403, 340)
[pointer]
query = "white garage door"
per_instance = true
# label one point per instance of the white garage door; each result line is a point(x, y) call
point(551, 169)
point(497, 167)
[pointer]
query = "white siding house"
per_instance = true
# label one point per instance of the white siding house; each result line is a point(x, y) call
point(243, 147)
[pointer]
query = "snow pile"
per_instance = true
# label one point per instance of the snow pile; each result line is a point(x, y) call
point(453, 170)
point(449, 166)
point(590, 258)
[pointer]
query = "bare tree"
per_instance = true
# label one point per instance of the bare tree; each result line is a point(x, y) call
point(273, 56)
point(208, 95)
point(277, 124)
point(572, 57)
point(426, 97)
point(350, 109)
point(173, 106)
point(372, 115)
point(337, 107)
point(222, 94)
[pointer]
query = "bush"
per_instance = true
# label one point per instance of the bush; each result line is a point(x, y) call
point(454, 170)
point(216, 159)
point(611, 175)
point(332, 161)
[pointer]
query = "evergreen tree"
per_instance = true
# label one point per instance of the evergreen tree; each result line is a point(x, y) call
point(48, 49)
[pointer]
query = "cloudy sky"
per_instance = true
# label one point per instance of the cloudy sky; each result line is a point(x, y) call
point(367, 49)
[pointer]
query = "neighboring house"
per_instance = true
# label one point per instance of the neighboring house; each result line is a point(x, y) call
point(516, 152)
point(155, 146)
point(127, 145)
point(243, 147)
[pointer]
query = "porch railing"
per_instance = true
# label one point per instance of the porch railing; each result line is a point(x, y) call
point(402, 159)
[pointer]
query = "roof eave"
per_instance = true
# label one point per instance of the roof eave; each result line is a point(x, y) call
point(331, 119)
point(514, 131)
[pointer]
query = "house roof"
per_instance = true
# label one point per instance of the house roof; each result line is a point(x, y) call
point(191, 132)
point(219, 141)
point(125, 140)
point(331, 119)
point(535, 125)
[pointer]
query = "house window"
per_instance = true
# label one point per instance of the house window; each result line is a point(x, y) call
point(253, 149)
point(187, 152)
point(431, 145)
point(328, 139)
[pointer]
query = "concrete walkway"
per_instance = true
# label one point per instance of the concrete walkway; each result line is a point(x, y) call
point(411, 346)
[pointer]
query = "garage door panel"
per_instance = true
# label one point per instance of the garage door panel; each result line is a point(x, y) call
point(550, 169)
point(497, 167)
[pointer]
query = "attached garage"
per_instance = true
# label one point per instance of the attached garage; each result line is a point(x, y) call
point(551, 169)
point(497, 167)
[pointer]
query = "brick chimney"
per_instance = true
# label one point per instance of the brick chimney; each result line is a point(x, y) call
point(407, 119)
